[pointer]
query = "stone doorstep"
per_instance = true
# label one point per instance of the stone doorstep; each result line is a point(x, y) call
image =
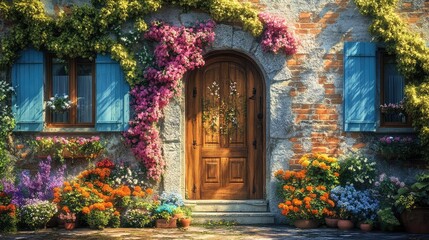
point(228, 205)
point(240, 211)
point(238, 217)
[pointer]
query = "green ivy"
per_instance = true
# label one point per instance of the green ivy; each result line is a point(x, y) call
point(83, 31)
point(412, 57)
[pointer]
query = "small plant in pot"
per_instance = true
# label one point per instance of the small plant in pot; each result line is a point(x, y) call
point(185, 221)
point(68, 218)
point(413, 204)
point(353, 205)
point(164, 216)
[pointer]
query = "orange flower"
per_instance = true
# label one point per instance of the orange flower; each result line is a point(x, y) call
point(307, 199)
point(68, 189)
point(295, 209)
point(313, 195)
point(65, 209)
point(137, 189)
point(336, 174)
point(288, 203)
point(85, 210)
point(149, 191)
point(279, 172)
point(307, 206)
point(309, 188)
point(323, 198)
point(314, 211)
point(85, 194)
point(116, 213)
point(330, 202)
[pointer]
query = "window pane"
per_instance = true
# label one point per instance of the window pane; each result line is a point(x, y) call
point(60, 86)
point(84, 92)
point(393, 89)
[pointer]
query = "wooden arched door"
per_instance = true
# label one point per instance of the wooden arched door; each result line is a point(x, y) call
point(224, 130)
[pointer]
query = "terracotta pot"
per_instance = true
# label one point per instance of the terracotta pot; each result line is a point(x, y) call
point(306, 224)
point(366, 227)
point(345, 224)
point(69, 225)
point(416, 220)
point(185, 222)
point(163, 223)
point(331, 222)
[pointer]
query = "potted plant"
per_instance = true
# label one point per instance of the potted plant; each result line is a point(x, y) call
point(36, 213)
point(357, 170)
point(353, 205)
point(397, 148)
point(164, 216)
point(413, 204)
point(305, 193)
point(59, 104)
point(185, 221)
point(69, 219)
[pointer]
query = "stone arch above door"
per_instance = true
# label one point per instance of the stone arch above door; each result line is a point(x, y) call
point(225, 129)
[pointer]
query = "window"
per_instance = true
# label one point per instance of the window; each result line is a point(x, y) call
point(74, 78)
point(370, 80)
point(392, 85)
point(98, 90)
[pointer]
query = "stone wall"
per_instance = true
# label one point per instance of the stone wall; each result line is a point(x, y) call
point(304, 92)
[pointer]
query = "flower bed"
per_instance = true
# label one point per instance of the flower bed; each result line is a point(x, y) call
point(72, 147)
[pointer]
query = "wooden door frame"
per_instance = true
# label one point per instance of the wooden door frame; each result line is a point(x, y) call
point(256, 69)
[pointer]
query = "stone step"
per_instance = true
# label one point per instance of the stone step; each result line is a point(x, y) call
point(238, 217)
point(228, 205)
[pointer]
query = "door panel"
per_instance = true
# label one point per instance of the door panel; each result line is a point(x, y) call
point(222, 126)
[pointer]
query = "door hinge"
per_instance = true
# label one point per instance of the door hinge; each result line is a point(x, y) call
point(194, 92)
point(254, 144)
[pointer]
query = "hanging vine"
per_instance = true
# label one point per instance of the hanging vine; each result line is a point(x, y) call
point(412, 57)
point(99, 27)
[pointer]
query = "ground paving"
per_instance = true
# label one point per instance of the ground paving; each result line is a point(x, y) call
point(200, 232)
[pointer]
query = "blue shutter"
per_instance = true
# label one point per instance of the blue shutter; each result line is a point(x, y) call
point(27, 79)
point(360, 108)
point(112, 99)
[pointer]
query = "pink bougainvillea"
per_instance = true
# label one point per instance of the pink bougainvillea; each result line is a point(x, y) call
point(178, 50)
point(276, 36)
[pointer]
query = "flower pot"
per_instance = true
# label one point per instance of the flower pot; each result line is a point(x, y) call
point(366, 227)
point(164, 223)
point(185, 222)
point(331, 222)
point(69, 225)
point(416, 220)
point(306, 224)
point(345, 224)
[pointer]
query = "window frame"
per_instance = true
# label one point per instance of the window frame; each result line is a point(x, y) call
point(72, 63)
point(381, 55)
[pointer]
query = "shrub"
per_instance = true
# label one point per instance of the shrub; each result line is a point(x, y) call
point(305, 193)
point(355, 204)
point(39, 186)
point(137, 218)
point(98, 219)
point(36, 214)
point(358, 171)
point(8, 218)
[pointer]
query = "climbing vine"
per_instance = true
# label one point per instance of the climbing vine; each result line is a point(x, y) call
point(118, 27)
point(412, 57)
